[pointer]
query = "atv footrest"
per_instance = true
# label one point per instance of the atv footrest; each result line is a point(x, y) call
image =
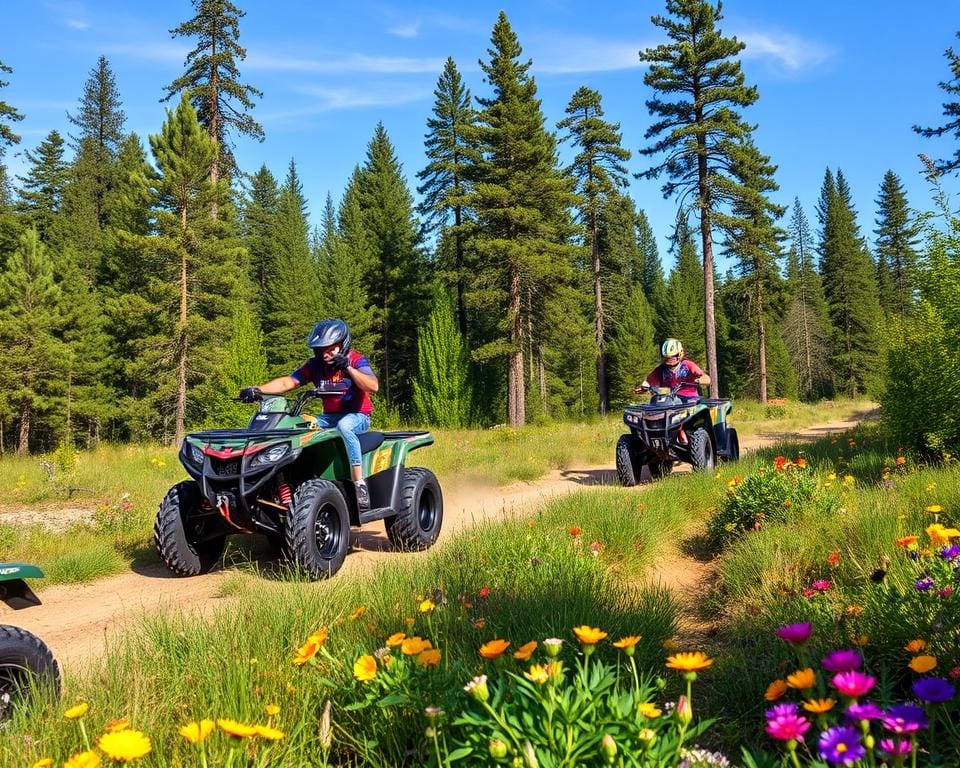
point(376, 514)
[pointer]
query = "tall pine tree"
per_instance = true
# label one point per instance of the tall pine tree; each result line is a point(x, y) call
point(442, 388)
point(8, 114)
point(521, 201)
point(680, 315)
point(698, 124)
point(651, 268)
point(41, 190)
point(951, 111)
point(258, 219)
point(599, 171)
point(896, 247)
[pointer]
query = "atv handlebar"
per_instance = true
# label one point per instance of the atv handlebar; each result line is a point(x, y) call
point(326, 389)
point(666, 390)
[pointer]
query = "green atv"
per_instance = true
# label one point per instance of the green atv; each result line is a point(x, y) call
point(286, 478)
point(25, 661)
point(668, 430)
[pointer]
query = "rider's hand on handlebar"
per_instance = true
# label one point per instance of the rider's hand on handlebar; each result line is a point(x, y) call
point(250, 395)
point(641, 389)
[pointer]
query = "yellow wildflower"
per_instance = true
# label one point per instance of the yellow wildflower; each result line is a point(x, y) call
point(589, 635)
point(689, 662)
point(196, 731)
point(88, 759)
point(365, 668)
point(77, 710)
point(648, 709)
point(269, 732)
point(802, 679)
point(125, 746)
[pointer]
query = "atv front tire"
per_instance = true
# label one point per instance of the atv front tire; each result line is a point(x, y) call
point(26, 665)
point(628, 469)
point(417, 522)
point(317, 533)
point(180, 533)
point(702, 455)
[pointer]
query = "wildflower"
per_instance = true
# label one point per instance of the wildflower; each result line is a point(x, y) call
point(409, 621)
point(901, 460)
point(832, 476)
point(525, 651)
point(896, 747)
point(427, 606)
point(365, 668)
point(649, 710)
point(413, 646)
point(478, 688)
point(238, 730)
point(924, 585)
point(88, 759)
point(935, 690)
point(271, 710)
point(689, 662)
point(596, 548)
point(861, 640)
point(954, 673)
point(950, 553)
point(933, 509)
point(795, 634)
point(780, 462)
point(905, 718)
point(494, 648)
point(853, 683)
point(395, 639)
point(915, 646)
point(537, 674)
point(841, 745)
point(922, 664)
point(940, 536)
point(551, 646)
point(429, 657)
point(433, 713)
point(819, 706)
point(848, 480)
point(787, 725)
point(589, 635)
point(269, 732)
point(484, 593)
point(776, 690)
point(647, 736)
point(196, 731)
point(854, 610)
point(842, 660)
point(833, 558)
point(907, 542)
point(865, 711)
point(44, 762)
point(358, 613)
point(117, 725)
point(76, 711)
point(575, 531)
point(310, 648)
point(802, 679)
point(684, 711)
point(628, 644)
point(124, 746)
point(821, 585)
point(801, 462)
point(608, 748)
point(478, 623)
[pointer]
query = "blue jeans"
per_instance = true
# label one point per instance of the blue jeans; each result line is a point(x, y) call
point(350, 425)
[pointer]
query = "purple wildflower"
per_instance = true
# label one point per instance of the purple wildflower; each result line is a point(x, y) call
point(947, 591)
point(865, 711)
point(821, 585)
point(853, 683)
point(923, 585)
point(795, 634)
point(951, 552)
point(935, 690)
point(781, 710)
point(905, 718)
point(895, 747)
point(842, 660)
point(787, 725)
point(841, 745)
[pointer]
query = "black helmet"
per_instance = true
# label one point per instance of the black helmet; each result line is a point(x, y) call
point(326, 333)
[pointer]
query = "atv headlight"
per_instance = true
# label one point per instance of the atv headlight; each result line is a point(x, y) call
point(194, 454)
point(271, 455)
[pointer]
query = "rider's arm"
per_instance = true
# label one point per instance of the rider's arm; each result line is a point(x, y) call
point(700, 376)
point(279, 385)
point(364, 378)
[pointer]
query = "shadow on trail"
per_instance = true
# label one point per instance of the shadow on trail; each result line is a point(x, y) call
point(590, 476)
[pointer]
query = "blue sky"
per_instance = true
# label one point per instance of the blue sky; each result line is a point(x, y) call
point(841, 83)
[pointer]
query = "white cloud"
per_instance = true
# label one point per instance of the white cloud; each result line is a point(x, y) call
point(324, 99)
point(408, 29)
point(350, 64)
point(78, 24)
point(785, 50)
point(563, 54)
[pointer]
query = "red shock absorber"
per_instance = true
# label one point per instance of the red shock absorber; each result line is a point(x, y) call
point(285, 494)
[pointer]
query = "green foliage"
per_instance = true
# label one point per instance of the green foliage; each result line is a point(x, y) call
point(442, 391)
point(776, 495)
point(258, 220)
point(680, 314)
point(41, 191)
point(7, 114)
point(633, 351)
point(951, 110)
point(896, 247)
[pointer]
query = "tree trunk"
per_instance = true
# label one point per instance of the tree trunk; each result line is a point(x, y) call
point(709, 315)
point(23, 443)
point(762, 343)
point(515, 384)
point(458, 263)
point(181, 339)
point(542, 371)
point(598, 312)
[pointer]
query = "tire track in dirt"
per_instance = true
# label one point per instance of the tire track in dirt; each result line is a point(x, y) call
point(76, 620)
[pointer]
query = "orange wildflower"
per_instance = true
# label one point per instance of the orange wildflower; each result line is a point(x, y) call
point(494, 648)
point(802, 679)
point(365, 668)
point(776, 690)
point(689, 662)
point(430, 657)
point(907, 542)
point(525, 651)
point(915, 646)
point(922, 664)
point(589, 635)
point(819, 706)
point(395, 639)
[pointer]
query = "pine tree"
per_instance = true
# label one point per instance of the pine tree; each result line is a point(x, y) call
point(7, 114)
point(450, 153)
point(259, 213)
point(292, 303)
point(651, 269)
point(29, 316)
point(442, 389)
point(599, 173)
point(753, 238)
point(896, 247)
point(41, 192)
point(850, 288)
point(245, 364)
point(951, 111)
point(212, 80)
point(100, 136)
point(699, 72)
point(329, 237)
point(806, 324)
point(521, 201)
point(633, 349)
point(680, 316)
point(396, 275)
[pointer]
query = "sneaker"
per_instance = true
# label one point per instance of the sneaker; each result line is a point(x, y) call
point(363, 495)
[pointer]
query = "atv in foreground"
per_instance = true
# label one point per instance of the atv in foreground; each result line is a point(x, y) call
point(26, 664)
point(668, 430)
point(286, 478)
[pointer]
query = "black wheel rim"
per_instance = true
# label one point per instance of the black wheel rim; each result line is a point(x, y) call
point(327, 531)
point(14, 680)
point(426, 510)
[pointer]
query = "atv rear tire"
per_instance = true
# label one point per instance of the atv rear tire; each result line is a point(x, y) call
point(317, 534)
point(179, 535)
point(629, 469)
point(417, 522)
point(26, 666)
point(733, 445)
point(702, 454)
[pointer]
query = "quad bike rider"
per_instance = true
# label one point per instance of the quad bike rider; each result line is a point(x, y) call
point(677, 425)
point(302, 481)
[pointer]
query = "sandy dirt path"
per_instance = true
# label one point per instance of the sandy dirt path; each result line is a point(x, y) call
point(76, 620)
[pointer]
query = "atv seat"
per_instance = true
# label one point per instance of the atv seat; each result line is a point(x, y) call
point(714, 402)
point(370, 441)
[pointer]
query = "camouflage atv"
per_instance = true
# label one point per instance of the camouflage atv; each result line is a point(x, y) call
point(668, 430)
point(286, 478)
point(26, 663)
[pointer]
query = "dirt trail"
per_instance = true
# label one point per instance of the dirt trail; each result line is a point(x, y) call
point(76, 620)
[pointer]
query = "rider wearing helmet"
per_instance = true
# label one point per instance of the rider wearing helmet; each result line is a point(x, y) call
point(334, 361)
point(674, 369)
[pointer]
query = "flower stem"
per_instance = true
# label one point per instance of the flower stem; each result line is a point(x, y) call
point(83, 732)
